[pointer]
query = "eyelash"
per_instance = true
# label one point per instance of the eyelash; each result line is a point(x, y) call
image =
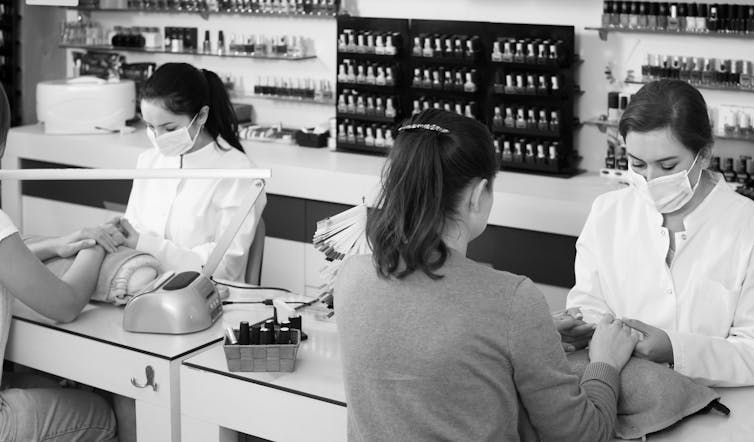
point(642, 166)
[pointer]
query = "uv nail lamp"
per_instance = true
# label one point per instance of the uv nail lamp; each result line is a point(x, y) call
point(178, 303)
point(175, 303)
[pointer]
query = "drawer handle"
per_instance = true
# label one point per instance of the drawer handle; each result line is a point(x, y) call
point(149, 371)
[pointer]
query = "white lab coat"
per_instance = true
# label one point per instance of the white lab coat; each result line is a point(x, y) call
point(179, 221)
point(704, 301)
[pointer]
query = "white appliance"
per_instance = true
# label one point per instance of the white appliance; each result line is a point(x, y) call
point(85, 105)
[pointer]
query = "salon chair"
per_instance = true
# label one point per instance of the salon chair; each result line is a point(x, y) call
point(256, 253)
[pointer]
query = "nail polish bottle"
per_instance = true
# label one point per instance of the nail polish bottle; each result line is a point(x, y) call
point(497, 54)
point(625, 9)
point(507, 51)
point(389, 138)
point(675, 68)
point(342, 75)
point(436, 80)
point(472, 48)
point(542, 53)
point(610, 156)
point(342, 106)
point(553, 158)
point(692, 18)
point(519, 89)
point(607, 9)
point(728, 173)
point(654, 11)
point(342, 42)
point(708, 74)
point(379, 109)
point(529, 158)
point(645, 69)
point(734, 76)
point(555, 121)
point(531, 56)
point(683, 14)
point(715, 165)
point(697, 64)
point(380, 79)
point(458, 109)
point(622, 105)
point(369, 137)
point(498, 86)
point(206, 44)
point(360, 106)
point(416, 49)
point(391, 43)
point(615, 14)
point(520, 118)
point(741, 14)
point(448, 81)
point(531, 119)
point(542, 123)
point(351, 73)
point(470, 85)
point(743, 122)
point(701, 17)
point(518, 156)
point(438, 49)
point(426, 79)
point(633, 15)
point(721, 73)
point(350, 134)
point(449, 47)
point(686, 69)
point(458, 84)
point(341, 133)
point(468, 110)
point(370, 46)
point(541, 156)
point(712, 18)
point(531, 86)
point(508, 121)
point(750, 19)
point(507, 154)
point(622, 162)
point(379, 138)
point(417, 108)
point(497, 118)
point(458, 48)
point(745, 77)
point(673, 22)
point(370, 107)
point(427, 50)
point(360, 75)
point(389, 77)
point(542, 89)
point(389, 108)
point(361, 46)
point(643, 15)
point(662, 16)
point(518, 56)
point(613, 103)
point(360, 138)
point(741, 176)
point(554, 85)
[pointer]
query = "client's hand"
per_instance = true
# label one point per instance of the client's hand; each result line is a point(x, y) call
point(574, 332)
point(612, 342)
point(68, 249)
point(107, 235)
point(655, 345)
point(130, 234)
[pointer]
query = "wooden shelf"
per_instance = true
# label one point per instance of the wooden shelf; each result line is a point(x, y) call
point(195, 53)
point(205, 12)
point(603, 32)
point(704, 86)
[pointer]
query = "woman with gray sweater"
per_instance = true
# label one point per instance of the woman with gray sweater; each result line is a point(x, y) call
point(437, 347)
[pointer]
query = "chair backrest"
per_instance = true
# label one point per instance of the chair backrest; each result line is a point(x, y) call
point(256, 253)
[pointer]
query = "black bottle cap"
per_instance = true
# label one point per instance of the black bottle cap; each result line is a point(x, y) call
point(254, 334)
point(613, 100)
point(702, 10)
point(265, 336)
point(654, 9)
point(643, 8)
point(750, 14)
point(285, 336)
point(623, 103)
point(693, 10)
point(683, 9)
point(607, 7)
point(634, 8)
point(664, 9)
point(243, 333)
point(624, 7)
point(741, 11)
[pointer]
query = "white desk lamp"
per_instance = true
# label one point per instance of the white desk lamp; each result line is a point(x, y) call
point(175, 303)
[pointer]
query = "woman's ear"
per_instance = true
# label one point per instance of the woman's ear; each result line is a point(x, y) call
point(478, 189)
point(203, 115)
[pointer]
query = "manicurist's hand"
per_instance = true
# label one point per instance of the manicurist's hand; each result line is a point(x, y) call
point(129, 232)
point(655, 345)
point(612, 342)
point(574, 332)
point(107, 235)
point(67, 249)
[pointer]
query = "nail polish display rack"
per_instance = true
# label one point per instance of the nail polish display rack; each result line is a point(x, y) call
point(10, 50)
point(488, 81)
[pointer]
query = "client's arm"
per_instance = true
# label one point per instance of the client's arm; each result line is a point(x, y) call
point(26, 278)
point(107, 235)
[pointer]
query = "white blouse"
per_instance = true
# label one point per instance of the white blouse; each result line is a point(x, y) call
point(704, 300)
point(179, 221)
point(7, 228)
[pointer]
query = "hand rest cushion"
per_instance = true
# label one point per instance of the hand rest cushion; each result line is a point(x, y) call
point(652, 396)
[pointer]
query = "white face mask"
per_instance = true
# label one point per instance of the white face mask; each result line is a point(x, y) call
point(172, 144)
point(668, 193)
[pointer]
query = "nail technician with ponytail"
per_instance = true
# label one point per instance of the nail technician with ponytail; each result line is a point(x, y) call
point(438, 347)
point(673, 254)
point(191, 124)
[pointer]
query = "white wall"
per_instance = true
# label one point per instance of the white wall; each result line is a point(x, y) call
point(626, 51)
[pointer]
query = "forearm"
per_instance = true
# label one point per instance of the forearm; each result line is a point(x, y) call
point(44, 248)
point(83, 273)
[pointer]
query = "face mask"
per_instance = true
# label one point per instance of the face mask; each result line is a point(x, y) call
point(172, 144)
point(668, 193)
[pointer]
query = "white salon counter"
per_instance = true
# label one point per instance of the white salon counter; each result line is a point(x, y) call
point(524, 201)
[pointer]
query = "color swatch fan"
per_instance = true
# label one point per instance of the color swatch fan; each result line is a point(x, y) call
point(340, 236)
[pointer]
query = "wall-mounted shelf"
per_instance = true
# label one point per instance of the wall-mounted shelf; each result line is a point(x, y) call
point(205, 13)
point(367, 117)
point(197, 53)
point(602, 124)
point(603, 32)
point(704, 86)
point(363, 148)
point(328, 102)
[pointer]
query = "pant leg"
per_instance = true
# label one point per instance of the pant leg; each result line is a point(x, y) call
point(55, 415)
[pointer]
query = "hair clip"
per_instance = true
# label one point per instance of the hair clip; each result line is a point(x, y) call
point(430, 127)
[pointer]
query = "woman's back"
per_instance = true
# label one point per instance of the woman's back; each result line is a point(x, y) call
point(451, 359)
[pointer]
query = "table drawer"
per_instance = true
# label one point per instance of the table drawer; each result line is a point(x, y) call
point(259, 410)
point(89, 361)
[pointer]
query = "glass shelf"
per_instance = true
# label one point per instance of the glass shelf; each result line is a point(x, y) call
point(703, 86)
point(330, 102)
point(602, 124)
point(166, 51)
point(603, 32)
point(206, 13)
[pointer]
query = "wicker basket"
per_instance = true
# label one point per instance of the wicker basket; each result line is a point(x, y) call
point(276, 357)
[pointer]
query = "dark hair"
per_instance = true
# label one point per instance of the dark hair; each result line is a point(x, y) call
point(421, 183)
point(184, 90)
point(4, 119)
point(669, 103)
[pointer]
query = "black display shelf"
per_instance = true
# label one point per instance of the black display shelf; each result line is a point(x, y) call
point(383, 89)
point(458, 61)
point(603, 32)
point(10, 70)
point(367, 56)
point(710, 87)
point(189, 52)
point(362, 148)
point(285, 99)
point(525, 132)
point(207, 12)
point(366, 117)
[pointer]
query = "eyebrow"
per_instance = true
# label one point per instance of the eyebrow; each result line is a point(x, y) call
point(658, 161)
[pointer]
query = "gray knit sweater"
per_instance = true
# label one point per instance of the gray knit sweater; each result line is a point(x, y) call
point(473, 356)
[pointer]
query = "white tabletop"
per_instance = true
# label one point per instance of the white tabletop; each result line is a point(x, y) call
point(524, 201)
point(104, 322)
point(318, 372)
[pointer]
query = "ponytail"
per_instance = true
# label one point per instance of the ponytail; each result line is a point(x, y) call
point(434, 158)
point(222, 118)
point(184, 89)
